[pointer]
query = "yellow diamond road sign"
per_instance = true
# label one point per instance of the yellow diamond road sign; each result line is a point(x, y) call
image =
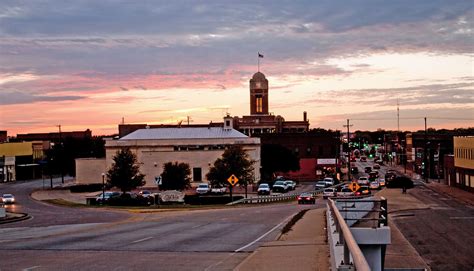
point(233, 180)
point(354, 186)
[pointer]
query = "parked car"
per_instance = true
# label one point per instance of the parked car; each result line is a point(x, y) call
point(320, 185)
point(263, 189)
point(104, 197)
point(291, 185)
point(374, 185)
point(329, 192)
point(345, 192)
point(8, 199)
point(219, 190)
point(280, 186)
point(367, 169)
point(203, 188)
point(146, 193)
point(376, 166)
point(304, 198)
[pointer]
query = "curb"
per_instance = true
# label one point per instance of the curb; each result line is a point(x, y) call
point(22, 217)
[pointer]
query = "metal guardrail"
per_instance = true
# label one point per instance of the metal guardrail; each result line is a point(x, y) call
point(282, 197)
point(382, 218)
point(351, 248)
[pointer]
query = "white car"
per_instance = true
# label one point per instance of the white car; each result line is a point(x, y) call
point(203, 188)
point(263, 189)
point(8, 199)
point(329, 192)
point(329, 181)
point(363, 181)
point(345, 192)
point(280, 186)
point(291, 185)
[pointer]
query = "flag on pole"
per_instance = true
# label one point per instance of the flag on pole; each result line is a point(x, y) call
point(260, 55)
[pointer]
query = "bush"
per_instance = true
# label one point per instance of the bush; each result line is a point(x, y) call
point(128, 200)
point(80, 188)
point(208, 200)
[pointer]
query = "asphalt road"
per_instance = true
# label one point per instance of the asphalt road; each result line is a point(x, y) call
point(45, 214)
point(442, 234)
point(216, 239)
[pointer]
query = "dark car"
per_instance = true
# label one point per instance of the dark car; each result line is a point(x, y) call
point(304, 198)
point(399, 182)
point(354, 170)
point(367, 169)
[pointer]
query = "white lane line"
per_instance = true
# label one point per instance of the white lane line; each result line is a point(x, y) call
point(31, 268)
point(262, 236)
point(141, 240)
point(462, 217)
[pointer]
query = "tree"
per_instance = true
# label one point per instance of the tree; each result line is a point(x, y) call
point(125, 172)
point(277, 158)
point(236, 161)
point(176, 176)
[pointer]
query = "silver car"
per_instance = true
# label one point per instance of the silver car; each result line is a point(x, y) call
point(8, 199)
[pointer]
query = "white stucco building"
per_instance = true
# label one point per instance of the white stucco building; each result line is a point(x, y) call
point(197, 146)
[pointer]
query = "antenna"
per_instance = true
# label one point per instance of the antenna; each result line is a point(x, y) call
point(123, 120)
point(188, 119)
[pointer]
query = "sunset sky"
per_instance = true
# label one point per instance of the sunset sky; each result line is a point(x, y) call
point(88, 64)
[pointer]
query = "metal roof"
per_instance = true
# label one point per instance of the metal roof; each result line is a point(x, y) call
point(183, 133)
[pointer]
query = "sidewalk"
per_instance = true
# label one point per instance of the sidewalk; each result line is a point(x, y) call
point(304, 247)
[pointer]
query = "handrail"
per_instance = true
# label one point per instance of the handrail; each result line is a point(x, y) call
point(360, 262)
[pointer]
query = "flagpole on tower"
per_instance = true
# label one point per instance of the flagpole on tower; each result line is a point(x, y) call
point(258, 61)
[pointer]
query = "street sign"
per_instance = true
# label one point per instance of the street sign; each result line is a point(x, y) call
point(354, 186)
point(158, 180)
point(233, 180)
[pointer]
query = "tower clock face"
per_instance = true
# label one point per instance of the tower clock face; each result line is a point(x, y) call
point(258, 84)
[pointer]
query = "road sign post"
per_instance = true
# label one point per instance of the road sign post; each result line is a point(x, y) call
point(232, 180)
point(354, 186)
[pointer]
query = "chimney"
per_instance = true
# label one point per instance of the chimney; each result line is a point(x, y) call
point(305, 116)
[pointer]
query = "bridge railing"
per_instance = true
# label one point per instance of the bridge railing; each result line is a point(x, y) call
point(351, 248)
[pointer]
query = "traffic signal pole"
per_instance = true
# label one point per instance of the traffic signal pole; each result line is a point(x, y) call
point(348, 153)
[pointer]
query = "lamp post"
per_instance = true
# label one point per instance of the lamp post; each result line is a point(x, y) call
point(103, 188)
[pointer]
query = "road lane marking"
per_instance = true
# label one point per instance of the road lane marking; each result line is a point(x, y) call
point(462, 217)
point(263, 235)
point(141, 240)
point(31, 268)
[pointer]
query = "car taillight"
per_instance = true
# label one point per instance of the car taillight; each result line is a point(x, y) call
point(357, 193)
point(308, 198)
point(299, 198)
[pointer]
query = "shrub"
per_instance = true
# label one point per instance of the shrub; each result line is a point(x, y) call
point(79, 188)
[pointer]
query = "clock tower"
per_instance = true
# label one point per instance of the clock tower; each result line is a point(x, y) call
point(258, 94)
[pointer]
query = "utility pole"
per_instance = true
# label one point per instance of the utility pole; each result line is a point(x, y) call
point(348, 152)
point(425, 157)
point(398, 117)
point(61, 154)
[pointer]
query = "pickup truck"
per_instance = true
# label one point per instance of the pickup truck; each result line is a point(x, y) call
point(205, 188)
point(218, 190)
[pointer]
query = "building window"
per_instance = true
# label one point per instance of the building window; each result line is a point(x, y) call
point(258, 103)
point(197, 174)
point(227, 123)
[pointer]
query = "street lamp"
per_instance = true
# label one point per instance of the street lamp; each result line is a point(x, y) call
point(103, 188)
